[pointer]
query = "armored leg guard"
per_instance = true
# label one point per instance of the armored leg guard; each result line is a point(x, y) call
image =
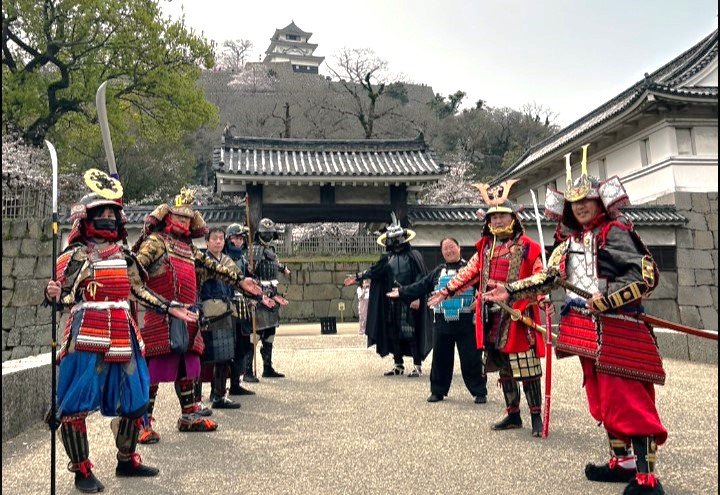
point(148, 435)
point(129, 463)
point(511, 391)
point(249, 374)
point(645, 481)
point(533, 394)
point(74, 437)
point(190, 420)
point(268, 370)
point(219, 401)
point(620, 468)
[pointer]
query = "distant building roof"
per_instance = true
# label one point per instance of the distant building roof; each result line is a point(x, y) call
point(253, 157)
point(667, 82)
point(465, 214)
point(423, 215)
point(291, 29)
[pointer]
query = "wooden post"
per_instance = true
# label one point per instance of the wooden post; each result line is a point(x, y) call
point(255, 193)
point(398, 203)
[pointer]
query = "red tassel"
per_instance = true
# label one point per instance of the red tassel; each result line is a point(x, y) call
point(136, 460)
point(84, 467)
point(613, 463)
point(646, 479)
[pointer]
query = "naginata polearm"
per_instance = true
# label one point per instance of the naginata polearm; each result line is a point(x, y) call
point(252, 269)
point(53, 344)
point(548, 324)
point(105, 129)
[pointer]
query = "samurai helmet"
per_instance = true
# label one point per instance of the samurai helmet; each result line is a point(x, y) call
point(495, 198)
point(106, 192)
point(610, 192)
point(236, 229)
point(266, 231)
point(395, 233)
point(181, 206)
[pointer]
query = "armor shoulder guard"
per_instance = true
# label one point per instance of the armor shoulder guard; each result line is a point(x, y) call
point(131, 259)
point(70, 261)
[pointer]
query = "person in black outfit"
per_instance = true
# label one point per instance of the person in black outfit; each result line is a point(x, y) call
point(453, 326)
point(397, 327)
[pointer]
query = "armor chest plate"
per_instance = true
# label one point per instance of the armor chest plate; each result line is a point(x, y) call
point(266, 264)
point(460, 303)
point(402, 268)
point(581, 264)
point(178, 280)
point(108, 279)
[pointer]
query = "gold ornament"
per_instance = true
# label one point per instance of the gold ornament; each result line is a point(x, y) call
point(101, 183)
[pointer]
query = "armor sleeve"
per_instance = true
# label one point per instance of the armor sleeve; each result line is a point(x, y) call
point(376, 270)
point(629, 269)
point(207, 268)
point(70, 266)
point(142, 294)
point(542, 281)
point(422, 287)
point(466, 277)
point(151, 250)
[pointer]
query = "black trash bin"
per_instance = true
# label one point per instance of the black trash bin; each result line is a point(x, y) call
point(328, 325)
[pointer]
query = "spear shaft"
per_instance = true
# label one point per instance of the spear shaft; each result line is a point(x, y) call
point(53, 317)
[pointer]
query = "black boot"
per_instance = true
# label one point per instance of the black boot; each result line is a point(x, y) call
point(249, 375)
point(268, 370)
point(509, 422)
point(240, 390)
point(645, 481)
point(89, 483)
point(613, 471)
point(129, 463)
point(537, 424)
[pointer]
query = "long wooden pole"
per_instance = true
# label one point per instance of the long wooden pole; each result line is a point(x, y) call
point(53, 318)
point(250, 264)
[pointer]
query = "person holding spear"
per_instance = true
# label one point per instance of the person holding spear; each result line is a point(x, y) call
point(101, 363)
point(607, 271)
point(510, 337)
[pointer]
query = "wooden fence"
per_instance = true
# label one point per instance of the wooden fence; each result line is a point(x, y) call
point(25, 202)
point(326, 245)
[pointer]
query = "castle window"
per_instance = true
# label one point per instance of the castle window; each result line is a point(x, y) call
point(645, 156)
point(684, 141)
point(292, 37)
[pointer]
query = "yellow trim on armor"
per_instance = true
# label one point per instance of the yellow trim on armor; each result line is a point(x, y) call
point(601, 304)
point(625, 295)
point(648, 273)
point(557, 254)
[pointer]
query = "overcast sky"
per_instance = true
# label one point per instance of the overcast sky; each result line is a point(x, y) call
point(570, 56)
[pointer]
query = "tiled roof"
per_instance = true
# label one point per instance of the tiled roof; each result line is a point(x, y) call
point(373, 158)
point(214, 214)
point(664, 81)
point(291, 29)
point(465, 214)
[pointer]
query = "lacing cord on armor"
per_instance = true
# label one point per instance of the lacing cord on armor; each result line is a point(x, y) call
point(100, 305)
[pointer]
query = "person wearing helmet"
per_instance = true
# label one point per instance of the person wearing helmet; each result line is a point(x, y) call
point(101, 363)
point(403, 328)
point(236, 236)
point(599, 254)
point(165, 249)
point(267, 267)
point(504, 253)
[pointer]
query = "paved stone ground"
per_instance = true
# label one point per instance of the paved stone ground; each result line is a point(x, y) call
point(336, 426)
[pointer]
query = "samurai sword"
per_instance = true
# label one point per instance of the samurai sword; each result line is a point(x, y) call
point(548, 323)
point(516, 315)
point(652, 320)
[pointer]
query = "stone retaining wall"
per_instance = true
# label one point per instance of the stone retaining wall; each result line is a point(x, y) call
point(26, 267)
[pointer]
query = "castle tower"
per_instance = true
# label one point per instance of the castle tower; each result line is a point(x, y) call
point(290, 44)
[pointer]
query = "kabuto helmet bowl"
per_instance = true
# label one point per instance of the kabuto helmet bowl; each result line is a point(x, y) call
point(395, 233)
point(495, 198)
point(236, 229)
point(266, 230)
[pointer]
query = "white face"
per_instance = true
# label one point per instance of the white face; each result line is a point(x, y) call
point(450, 251)
point(216, 243)
point(586, 210)
point(500, 220)
point(237, 240)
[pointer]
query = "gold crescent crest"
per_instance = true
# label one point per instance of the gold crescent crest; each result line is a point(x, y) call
point(101, 183)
